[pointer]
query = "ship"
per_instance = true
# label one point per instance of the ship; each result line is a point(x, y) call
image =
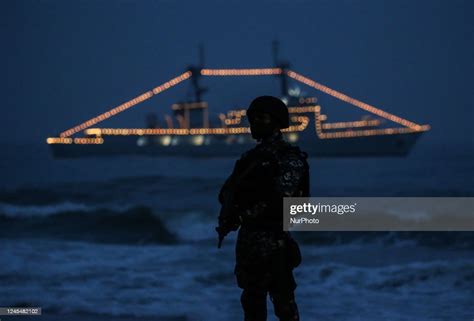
point(189, 132)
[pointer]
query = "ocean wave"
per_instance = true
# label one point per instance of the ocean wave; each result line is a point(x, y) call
point(111, 190)
point(24, 211)
point(136, 225)
point(423, 277)
point(430, 277)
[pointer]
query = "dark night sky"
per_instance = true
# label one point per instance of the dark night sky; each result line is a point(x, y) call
point(66, 61)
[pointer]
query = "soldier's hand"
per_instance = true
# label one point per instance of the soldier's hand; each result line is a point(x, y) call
point(222, 233)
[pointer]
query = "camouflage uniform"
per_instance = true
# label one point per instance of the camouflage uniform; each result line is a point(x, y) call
point(272, 170)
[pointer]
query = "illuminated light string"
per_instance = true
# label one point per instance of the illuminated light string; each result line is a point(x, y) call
point(360, 133)
point(88, 140)
point(310, 100)
point(222, 117)
point(316, 85)
point(349, 124)
point(127, 105)
point(80, 140)
point(235, 121)
point(370, 132)
point(317, 123)
point(238, 114)
point(307, 109)
point(58, 140)
point(353, 101)
point(241, 72)
point(234, 117)
point(301, 120)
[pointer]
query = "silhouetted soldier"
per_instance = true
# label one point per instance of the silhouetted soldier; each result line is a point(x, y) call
point(252, 199)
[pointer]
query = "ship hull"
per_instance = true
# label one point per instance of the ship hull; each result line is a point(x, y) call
point(218, 146)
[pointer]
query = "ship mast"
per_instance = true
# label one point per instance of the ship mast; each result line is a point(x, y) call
point(284, 65)
point(184, 110)
point(196, 75)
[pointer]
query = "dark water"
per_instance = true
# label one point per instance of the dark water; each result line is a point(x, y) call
point(126, 238)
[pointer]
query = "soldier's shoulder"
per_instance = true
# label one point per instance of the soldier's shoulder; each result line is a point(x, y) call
point(248, 153)
point(293, 158)
point(290, 151)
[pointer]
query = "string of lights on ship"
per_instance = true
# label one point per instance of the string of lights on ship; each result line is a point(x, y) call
point(234, 116)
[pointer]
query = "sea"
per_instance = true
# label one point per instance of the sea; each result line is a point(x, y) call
point(132, 238)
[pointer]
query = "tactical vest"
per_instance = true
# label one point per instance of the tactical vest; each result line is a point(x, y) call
point(295, 151)
point(264, 175)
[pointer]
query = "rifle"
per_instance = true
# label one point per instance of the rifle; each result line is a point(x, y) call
point(229, 219)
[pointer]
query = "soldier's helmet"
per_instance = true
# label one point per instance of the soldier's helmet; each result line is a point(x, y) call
point(271, 105)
